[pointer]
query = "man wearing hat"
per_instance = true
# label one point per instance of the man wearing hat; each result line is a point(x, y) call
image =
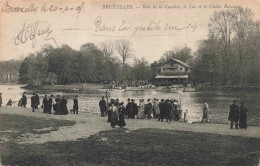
point(149, 108)
point(102, 105)
point(168, 109)
point(127, 108)
point(33, 102)
point(1, 101)
point(162, 110)
point(24, 100)
point(233, 114)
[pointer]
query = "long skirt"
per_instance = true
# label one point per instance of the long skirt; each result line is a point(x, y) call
point(114, 119)
point(121, 121)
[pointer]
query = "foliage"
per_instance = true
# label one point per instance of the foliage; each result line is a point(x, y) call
point(64, 65)
point(230, 56)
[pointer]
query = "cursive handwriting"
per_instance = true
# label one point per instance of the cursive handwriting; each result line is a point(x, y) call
point(32, 32)
point(7, 7)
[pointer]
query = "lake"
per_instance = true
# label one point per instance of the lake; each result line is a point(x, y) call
point(219, 101)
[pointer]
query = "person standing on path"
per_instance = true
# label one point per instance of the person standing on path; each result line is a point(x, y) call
point(102, 105)
point(33, 102)
point(233, 114)
point(205, 112)
point(1, 101)
point(37, 99)
point(121, 115)
point(45, 104)
point(114, 115)
point(49, 104)
point(243, 116)
point(75, 105)
point(24, 100)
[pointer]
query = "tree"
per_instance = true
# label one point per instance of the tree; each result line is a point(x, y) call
point(124, 49)
point(107, 49)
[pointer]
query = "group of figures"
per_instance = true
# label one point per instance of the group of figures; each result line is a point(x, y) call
point(59, 106)
point(238, 114)
point(116, 111)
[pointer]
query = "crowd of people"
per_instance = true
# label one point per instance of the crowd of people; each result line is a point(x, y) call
point(58, 105)
point(117, 111)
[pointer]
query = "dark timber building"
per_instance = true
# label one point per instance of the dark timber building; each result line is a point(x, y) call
point(173, 72)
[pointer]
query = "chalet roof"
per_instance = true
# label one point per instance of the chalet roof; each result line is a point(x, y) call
point(176, 76)
point(178, 61)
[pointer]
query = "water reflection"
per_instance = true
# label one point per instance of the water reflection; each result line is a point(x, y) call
point(88, 100)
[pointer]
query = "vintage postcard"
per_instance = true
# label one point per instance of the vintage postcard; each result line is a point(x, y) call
point(122, 82)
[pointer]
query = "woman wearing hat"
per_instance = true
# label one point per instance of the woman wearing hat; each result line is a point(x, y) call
point(114, 115)
point(140, 114)
point(121, 110)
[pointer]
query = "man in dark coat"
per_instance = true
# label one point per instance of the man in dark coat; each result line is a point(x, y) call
point(58, 106)
point(24, 100)
point(162, 110)
point(37, 100)
point(168, 109)
point(33, 102)
point(75, 105)
point(49, 104)
point(132, 109)
point(102, 106)
point(234, 114)
point(127, 108)
point(45, 104)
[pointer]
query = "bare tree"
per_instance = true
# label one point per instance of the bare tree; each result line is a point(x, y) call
point(124, 49)
point(107, 49)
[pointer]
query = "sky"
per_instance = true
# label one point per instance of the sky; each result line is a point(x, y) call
point(153, 27)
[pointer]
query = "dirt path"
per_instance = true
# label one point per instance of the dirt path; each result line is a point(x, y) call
point(89, 124)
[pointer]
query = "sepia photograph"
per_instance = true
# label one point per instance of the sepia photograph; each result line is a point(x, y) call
point(129, 83)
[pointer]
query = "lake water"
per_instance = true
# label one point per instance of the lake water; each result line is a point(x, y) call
point(193, 101)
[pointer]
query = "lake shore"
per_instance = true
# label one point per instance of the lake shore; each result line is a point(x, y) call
point(88, 124)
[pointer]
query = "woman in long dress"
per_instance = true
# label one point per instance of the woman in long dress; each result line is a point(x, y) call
point(140, 114)
point(121, 111)
point(114, 115)
point(243, 116)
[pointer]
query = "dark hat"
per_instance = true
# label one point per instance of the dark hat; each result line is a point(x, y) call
point(148, 99)
point(132, 100)
point(162, 99)
point(167, 100)
point(51, 95)
point(103, 97)
point(128, 99)
point(122, 102)
point(76, 96)
point(154, 98)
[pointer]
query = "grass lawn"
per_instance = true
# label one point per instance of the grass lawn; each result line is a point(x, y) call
point(139, 147)
point(18, 125)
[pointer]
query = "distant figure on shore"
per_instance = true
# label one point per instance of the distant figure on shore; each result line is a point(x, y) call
point(45, 104)
point(113, 115)
point(1, 101)
point(37, 99)
point(57, 106)
point(102, 106)
point(186, 116)
point(75, 105)
point(162, 110)
point(243, 116)
point(64, 109)
point(168, 108)
point(140, 114)
point(49, 104)
point(149, 108)
point(233, 114)
point(205, 112)
point(33, 102)
point(121, 110)
point(24, 100)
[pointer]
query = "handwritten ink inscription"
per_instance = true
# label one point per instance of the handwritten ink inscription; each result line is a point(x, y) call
point(32, 32)
point(152, 26)
point(9, 8)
